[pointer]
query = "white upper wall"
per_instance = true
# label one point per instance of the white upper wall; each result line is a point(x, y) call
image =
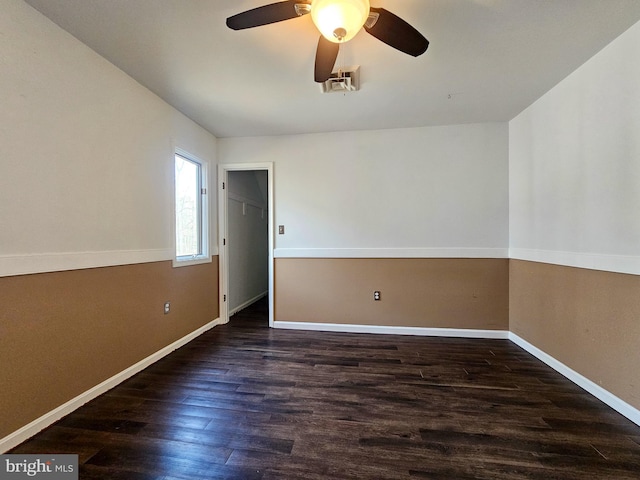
point(86, 176)
point(575, 166)
point(432, 190)
point(87, 162)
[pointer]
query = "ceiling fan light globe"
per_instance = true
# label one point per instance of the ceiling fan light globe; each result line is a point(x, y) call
point(337, 17)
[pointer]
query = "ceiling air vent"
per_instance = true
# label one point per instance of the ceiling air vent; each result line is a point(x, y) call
point(342, 81)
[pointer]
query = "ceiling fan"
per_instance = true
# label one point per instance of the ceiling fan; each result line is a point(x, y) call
point(338, 22)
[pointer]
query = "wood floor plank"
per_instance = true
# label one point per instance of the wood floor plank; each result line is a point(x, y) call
point(246, 402)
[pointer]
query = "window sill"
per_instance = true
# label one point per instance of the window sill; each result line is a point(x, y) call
point(191, 261)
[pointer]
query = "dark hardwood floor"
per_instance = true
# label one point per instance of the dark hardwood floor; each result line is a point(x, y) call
point(246, 402)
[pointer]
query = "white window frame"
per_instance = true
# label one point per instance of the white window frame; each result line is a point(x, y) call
point(205, 254)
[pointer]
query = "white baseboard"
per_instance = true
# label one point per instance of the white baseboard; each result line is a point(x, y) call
point(594, 389)
point(386, 330)
point(248, 302)
point(16, 438)
point(26, 432)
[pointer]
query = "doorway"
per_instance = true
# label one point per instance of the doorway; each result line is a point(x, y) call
point(245, 236)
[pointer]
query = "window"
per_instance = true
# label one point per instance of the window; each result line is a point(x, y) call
point(191, 224)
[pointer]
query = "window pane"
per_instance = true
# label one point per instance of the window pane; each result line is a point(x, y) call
point(187, 207)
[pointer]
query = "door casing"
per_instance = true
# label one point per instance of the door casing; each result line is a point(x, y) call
point(223, 266)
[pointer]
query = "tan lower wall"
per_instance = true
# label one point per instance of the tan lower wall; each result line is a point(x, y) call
point(587, 319)
point(447, 293)
point(63, 333)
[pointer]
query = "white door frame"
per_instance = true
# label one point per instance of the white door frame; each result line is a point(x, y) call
point(223, 267)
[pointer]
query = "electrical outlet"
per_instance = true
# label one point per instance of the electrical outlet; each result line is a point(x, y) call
point(376, 295)
point(167, 307)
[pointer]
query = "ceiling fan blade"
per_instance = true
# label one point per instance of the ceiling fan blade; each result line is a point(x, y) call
point(397, 33)
point(272, 13)
point(326, 56)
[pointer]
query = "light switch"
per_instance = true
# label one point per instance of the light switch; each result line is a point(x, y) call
point(281, 229)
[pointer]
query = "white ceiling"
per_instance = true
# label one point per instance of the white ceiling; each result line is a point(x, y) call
point(488, 60)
